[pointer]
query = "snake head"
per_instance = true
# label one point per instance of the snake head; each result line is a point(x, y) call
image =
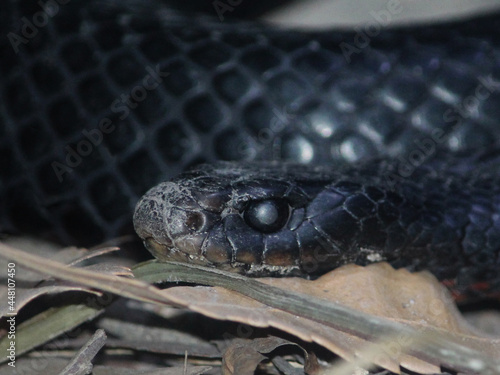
point(282, 219)
point(240, 217)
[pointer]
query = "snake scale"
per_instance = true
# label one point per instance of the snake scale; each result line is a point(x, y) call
point(101, 100)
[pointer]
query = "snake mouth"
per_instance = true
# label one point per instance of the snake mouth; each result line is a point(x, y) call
point(179, 252)
point(159, 251)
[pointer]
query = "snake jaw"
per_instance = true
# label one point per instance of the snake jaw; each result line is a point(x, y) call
point(173, 253)
point(158, 250)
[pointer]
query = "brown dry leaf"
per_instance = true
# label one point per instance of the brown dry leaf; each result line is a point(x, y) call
point(31, 285)
point(243, 356)
point(342, 330)
point(379, 289)
point(92, 253)
point(125, 287)
point(189, 370)
point(28, 291)
point(68, 255)
point(241, 360)
point(416, 300)
point(26, 295)
point(110, 269)
point(81, 363)
point(156, 340)
point(39, 365)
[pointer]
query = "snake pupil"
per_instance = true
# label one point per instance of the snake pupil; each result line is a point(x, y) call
point(267, 216)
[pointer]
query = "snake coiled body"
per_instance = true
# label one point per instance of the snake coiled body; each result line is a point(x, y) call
point(105, 99)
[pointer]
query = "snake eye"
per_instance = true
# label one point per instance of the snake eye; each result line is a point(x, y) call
point(267, 216)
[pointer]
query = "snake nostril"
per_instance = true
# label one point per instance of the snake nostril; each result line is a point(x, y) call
point(195, 221)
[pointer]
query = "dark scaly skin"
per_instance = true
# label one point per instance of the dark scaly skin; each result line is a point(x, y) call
point(445, 223)
point(267, 93)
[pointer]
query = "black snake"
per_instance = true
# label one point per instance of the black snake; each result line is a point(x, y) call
point(102, 100)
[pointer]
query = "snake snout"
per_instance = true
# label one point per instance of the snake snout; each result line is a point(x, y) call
point(172, 223)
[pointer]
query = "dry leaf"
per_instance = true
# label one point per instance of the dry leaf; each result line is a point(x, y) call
point(51, 366)
point(416, 300)
point(379, 289)
point(26, 295)
point(320, 319)
point(81, 363)
point(243, 356)
point(28, 290)
point(156, 340)
point(110, 269)
point(190, 370)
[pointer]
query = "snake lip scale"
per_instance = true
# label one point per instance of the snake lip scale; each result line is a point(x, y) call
point(420, 104)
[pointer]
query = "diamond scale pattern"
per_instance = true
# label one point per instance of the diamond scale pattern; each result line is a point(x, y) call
point(233, 91)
